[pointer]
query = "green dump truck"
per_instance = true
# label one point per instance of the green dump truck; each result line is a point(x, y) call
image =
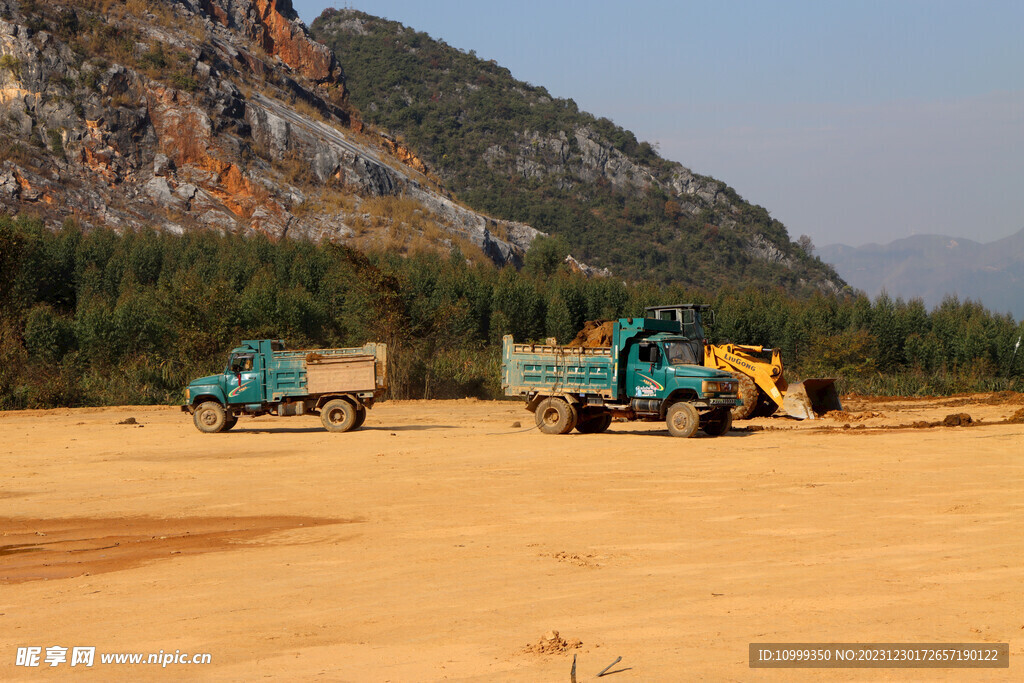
point(262, 378)
point(650, 372)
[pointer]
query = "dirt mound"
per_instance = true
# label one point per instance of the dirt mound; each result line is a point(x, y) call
point(844, 416)
point(954, 420)
point(595, 333)
point(552, 644)
point(994, 399)
point(1017, 418)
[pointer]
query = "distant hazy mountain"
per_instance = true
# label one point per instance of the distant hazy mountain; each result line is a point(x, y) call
point(934, 266)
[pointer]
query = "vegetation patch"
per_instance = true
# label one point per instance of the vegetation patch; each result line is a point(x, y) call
point(101, 318)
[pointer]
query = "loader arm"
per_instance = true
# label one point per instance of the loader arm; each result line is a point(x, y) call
point(767, 375)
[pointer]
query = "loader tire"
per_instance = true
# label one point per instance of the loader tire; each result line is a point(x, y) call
point(594, 424)
point(555, 416)
point(209, 417)
point(682, 420)
point(748, 397)
point(766, 406)
point(718, 423)
point(338, 415)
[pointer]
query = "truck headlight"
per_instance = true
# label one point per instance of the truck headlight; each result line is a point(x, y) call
point(718, 387)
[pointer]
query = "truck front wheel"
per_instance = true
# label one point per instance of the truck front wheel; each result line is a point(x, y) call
point(338, 415)
point(682, 420)
point(555, 416)
point(210, 417)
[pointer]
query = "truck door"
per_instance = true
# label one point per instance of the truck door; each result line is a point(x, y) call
point(647, 371)
point(243, 379)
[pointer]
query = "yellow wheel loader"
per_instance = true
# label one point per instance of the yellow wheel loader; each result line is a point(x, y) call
point(763, 386)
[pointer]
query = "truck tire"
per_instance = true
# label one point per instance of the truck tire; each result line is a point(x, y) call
point(718, 422)
point(209, 417)
point(338, 415)
point(229, 422)
point(749, 394)
point(555, 416)
point(594, 424)
point(360, 418)
point(682, 420)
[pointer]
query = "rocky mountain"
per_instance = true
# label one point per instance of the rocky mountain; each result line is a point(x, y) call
point(511, 149)
point(222, 114)
point(931, 267)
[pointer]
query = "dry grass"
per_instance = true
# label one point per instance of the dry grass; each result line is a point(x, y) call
point(328, 201)
point(15, 151)
point(309, 111)
point(399, 210)
point(399, 225)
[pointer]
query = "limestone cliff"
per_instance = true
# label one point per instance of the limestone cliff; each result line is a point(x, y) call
point(221, 114)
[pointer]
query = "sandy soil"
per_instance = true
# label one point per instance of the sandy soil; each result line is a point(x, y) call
point(442, 542)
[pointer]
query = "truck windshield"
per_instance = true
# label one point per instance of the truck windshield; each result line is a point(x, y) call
point(680, 353)
point(240, 363)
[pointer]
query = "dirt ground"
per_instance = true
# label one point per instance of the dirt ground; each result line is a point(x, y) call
point(443, 542)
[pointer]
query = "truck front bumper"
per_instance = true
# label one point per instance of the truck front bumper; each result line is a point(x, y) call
point(188, 409)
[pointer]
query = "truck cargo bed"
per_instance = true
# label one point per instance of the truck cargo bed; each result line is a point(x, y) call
point(325, 371)
point(528, 368)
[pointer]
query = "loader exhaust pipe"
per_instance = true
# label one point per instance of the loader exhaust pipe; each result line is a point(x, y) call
point(811, 398)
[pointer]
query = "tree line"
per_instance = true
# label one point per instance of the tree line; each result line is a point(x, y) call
point(101, 318)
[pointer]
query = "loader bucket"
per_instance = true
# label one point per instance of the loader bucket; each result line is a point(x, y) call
point(811, 398)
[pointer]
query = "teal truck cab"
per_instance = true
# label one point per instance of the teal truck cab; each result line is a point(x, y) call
point(651, 372)
point(262, 378)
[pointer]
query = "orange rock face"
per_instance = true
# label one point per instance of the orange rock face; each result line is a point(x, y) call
point(403, 153)
point(280, 37)
point(185, 136)
point(283, 39)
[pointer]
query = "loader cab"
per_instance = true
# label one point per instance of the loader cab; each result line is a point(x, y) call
point(692, 318)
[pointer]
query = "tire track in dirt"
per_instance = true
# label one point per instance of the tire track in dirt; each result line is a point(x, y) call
point(42, 549)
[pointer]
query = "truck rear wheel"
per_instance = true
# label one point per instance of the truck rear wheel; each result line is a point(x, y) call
point(555, 416)
point(338, 415)
point(718, 422)
point(682, 420)
point(594, 424)
point(229, 422)
point(360, 418)
point(749, 394)
point(209, 417)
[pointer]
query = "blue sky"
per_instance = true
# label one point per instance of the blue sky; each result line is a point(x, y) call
point(850, 122)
